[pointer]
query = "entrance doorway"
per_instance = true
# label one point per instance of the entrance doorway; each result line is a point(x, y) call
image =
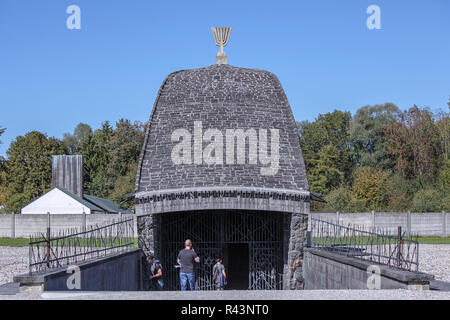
point(237, 265)
point(249, 242)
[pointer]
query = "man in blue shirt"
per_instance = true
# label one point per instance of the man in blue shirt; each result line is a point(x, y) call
point(186, 258)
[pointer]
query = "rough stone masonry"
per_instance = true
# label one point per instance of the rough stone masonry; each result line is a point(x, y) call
point(224, 97)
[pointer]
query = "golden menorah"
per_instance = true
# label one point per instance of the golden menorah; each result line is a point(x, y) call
point(221, 36)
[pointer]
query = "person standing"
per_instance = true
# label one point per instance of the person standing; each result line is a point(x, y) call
point(186, 258)
point(156, 282)
point(219, 275)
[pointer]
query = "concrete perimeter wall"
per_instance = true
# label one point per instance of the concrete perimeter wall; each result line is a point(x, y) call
point(423, 224)
point(22, 226)
point(327, 270)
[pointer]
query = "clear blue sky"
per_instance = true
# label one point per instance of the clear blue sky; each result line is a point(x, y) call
point(52, 78)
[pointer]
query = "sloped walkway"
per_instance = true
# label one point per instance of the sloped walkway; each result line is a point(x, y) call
point(35, 294)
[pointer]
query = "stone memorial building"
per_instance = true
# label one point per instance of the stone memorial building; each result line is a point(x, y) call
point(222, 165)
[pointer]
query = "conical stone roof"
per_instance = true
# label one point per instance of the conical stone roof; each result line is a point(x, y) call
point(220, 97)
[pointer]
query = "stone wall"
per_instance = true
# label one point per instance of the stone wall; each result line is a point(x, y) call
point(221, 97)
point(293, 273)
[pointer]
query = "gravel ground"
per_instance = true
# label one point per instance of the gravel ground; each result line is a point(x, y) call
point(13, 261)
point(434, 259)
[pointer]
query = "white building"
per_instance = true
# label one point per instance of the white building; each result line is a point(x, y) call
point(61, 201)
point(66, 196)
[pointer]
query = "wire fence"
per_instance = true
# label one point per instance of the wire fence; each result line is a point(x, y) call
point(399, 251)
point(54, 250)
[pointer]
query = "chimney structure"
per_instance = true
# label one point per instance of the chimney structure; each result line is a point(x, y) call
point(67, 173)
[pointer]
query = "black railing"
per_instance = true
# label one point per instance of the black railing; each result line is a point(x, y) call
point(53, 250)
point(400, 251)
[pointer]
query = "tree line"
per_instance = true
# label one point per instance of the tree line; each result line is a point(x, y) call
point(380, 158)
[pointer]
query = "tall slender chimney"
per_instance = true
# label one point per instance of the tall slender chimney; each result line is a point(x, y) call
point(67, 173)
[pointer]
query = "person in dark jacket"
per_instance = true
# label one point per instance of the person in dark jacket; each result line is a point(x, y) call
point(219, 274)
point(156, 282)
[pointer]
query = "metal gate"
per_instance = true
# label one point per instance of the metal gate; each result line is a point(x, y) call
point(210, 231)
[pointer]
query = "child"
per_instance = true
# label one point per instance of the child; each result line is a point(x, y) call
point(219, 275)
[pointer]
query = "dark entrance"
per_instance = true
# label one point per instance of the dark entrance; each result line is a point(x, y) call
point(236, 261)
point(251, 243)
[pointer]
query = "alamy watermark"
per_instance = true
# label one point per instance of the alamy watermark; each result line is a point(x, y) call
point(74, 20)
point(189, 148)
point(74, 280)
point(374, 277)
point(374, 20)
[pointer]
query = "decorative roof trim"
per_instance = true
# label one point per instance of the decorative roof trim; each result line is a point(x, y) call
point(221, 192)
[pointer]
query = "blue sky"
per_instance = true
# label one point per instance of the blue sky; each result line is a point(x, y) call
point(52, 78)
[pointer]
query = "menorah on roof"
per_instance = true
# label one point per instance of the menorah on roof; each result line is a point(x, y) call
point(221, 36)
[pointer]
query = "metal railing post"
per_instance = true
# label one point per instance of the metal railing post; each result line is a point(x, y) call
point(48, 239)
point(399, 246)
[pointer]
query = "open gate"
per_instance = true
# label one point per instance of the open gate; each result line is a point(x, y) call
point(216, 233)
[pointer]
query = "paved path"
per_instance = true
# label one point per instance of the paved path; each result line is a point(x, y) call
point(35, 294)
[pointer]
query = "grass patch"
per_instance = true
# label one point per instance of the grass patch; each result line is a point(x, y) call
point(434, 240)
point(23, 242)
point(14, 242)
point(365, 240)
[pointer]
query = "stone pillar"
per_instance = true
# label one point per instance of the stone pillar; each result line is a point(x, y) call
point(373, 221)
point(286, 238)
point(444, 224)
point(297, 243)
point(83, 222)
point(144, 230)
point(337, 217)
point(408, 223)
point(135, 226)
point(144, 226)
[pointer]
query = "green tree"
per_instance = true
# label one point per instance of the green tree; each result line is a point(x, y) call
point(368, 135)
point(110, 157)
point(444, 177)
point(2, 130)
point(29, 168)
point(411, 142)
point(401, 192)
point(426, 201)
point(72, 141)
point(324, 174)
point(326, 148)
point(442, 132)
point(3, 183)
point(371, 187)
point(96, 159)
point(125, 185)
point(339, 199)
point(125, 146)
